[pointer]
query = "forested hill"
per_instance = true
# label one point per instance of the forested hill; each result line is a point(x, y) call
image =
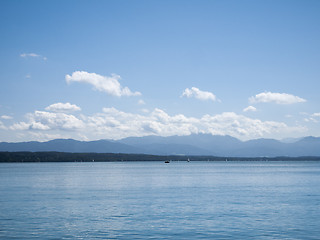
point(7, 157)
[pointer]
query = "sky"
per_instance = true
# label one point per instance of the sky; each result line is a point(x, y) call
point(90, 70)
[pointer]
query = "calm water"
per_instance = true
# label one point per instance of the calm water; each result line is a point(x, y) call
point(154, 200)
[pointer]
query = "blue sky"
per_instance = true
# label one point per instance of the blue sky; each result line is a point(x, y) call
point(112, 69)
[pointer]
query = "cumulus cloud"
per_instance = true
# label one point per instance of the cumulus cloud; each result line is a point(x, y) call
point(279, 98)
point(34, 55)
point(63, 107)
point(41, 120)
point(316, 114)
point(197, 93)
point(110, 85)
point(250, 109)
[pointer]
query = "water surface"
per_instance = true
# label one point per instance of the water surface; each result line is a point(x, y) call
point(154, 200)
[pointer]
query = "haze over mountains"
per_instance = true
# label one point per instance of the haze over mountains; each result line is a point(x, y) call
point(195, 144)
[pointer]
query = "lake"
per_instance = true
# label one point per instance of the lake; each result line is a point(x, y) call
point(154, 200)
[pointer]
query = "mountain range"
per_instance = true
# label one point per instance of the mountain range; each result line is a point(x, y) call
point(195, 144)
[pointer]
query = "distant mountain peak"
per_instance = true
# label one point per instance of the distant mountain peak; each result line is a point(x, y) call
point(194, 144)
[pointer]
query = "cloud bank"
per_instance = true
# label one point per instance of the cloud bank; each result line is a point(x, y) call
point(110, 85)
point(112, 123)
point(278, 98)
point(198, 94)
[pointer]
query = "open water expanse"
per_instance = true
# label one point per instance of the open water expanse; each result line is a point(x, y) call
point(154, 200)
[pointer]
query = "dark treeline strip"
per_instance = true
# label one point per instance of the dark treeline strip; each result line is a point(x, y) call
point(118, 157)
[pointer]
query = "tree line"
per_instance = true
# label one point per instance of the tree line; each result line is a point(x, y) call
point(119, 157)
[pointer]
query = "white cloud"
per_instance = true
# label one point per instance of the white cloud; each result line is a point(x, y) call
point(110, 85)
point(279, 98)
point(6, 117)
point(41, 120)
point(197, 93)
point(250, 109)
point(63, 107)
point(39, 126)
point(34, 55)
point(57, 120)
point(316, 114)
